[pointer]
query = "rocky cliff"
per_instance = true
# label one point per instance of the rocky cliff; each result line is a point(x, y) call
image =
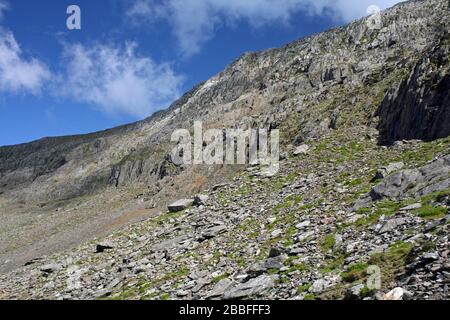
point(341, 202)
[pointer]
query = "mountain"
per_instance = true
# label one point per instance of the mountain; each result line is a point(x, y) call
point(363, 113)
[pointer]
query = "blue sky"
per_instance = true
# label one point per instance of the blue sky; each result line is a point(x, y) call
point(134, 57)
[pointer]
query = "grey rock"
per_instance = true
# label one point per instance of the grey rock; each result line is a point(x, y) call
point(50, 268)
point(253, 287)
point(415, 182)
point(430, 256)
point(391, 225)
point(201, 200)
point(394, 294)
point(102, 293)
point(385, 171)
point(303, 225)
point(303, 149)
point(304, 236)
point(324, 284)
point(275, 263)
point(276, 233)
point(220, 288)
point(102, 247)
point(275, 252)
point(354, 293)
point(412, 207)
point(416, 109)
point(212, 232)
point(180, 205)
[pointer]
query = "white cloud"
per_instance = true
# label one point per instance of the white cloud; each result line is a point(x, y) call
point(194, 22)
point(16, 72)
point(4, 6)
point(118, 80)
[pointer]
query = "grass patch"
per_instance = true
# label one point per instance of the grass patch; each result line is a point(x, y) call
point(333, 264)
point(386, 208)
point(309, 297)
point(430, 212)
point(328, 243)
point(355, 272)
point(304, 288)
point(217, 279)
point(392, 261)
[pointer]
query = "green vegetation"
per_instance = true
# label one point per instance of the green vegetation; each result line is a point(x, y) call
point(310, 297)
point(334, 264)
point(304, 288)
point(430, 212)
point(165, 296)
point(219, 278)
point(328, 243)
point(392, 261)
point(386, 208)
point(355, 272)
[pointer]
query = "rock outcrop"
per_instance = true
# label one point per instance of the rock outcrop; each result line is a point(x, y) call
point(419, 108)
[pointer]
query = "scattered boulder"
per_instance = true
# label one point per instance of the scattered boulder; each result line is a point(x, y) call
point(303, 236)
point(385, 171)
point(391, 225)
point(220, 288)
point(102, 293)
point(102, 247)
point(212, 232)
point(201, 200)
point(33, 261)
point(395, 294)
point(253, 287)
point(180, 205)
point(50, 268)
point(276, 233)
point(303, 149)
point(322, 285)
point(430, 257)
point(275, 263)
point(275, 252)
point(354, 293)
point(411, 207)
point(303, 225)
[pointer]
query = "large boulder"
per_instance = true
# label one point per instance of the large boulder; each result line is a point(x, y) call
point(432, 177)
point(385, 171)
point(180, 205)
point(253, 287)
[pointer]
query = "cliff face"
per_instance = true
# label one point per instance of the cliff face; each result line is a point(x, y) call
point(331, 91)
point(420, 107)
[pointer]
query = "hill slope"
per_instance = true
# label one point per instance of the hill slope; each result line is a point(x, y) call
point(310, 231)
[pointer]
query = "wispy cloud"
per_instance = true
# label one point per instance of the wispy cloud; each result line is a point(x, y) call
point(194, 22)
point(118, 80)
point(113, 78)
point(16, 72)
point(4, 6)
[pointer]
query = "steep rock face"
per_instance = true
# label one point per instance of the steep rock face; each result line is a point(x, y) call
point(420, 107)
